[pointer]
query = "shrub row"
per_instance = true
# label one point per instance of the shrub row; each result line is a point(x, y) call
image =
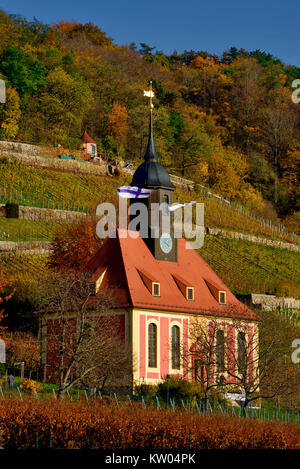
point(65, 424)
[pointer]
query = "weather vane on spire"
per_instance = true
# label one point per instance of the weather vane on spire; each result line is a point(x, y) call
point(150, 95)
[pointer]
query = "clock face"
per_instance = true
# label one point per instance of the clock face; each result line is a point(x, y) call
point(166, 243)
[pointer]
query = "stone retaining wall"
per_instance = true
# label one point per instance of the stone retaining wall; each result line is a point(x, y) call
point(19, 147)
point(253, 239)
point(56, 163)
point(46, 214)
point(40, 246)
point(271, 302)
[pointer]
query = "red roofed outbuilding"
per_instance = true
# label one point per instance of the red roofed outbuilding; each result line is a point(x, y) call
point(89, 146)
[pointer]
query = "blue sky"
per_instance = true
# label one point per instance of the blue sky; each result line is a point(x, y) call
point(212, 25)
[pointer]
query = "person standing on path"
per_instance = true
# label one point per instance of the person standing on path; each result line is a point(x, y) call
point(11, 380)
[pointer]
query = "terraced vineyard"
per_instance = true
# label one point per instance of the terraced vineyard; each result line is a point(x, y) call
point(82, 192)
point(243, 266)
point(55, 189)
point(26, 230)
point(16, 262)
point(248, 267)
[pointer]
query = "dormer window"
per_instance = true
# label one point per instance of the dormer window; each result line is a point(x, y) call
point(155, 289)
point(186, 289)
point(190, 293)
point(150, 282)
point(222, 297)
point(218, 294)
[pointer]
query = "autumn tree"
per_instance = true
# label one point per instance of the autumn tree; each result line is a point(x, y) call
point(10, 115)
point(206, 354)
point(83, 339)
point(212, 89)
point(4, 297)
point(261, 366)
point(10, 33)
point(278, 127)
point(118, 124)
point(73, 245)
point(108, 357)
point(227, 171)
point(64, 104)
point(246, 98)
point(23, 347)
point(252, 360)
point(72, 29)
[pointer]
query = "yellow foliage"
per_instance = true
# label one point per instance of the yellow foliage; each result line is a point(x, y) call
point(28, 385)
point(282, 78)
point(251, 198)
point(223, 177)
point(11, 114)
point(292, 222)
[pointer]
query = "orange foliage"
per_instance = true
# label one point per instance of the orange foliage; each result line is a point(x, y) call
point(118, 122)
point(65, 26)
point(3, 297)
point(104, 426)
point(74, 245)
point(201, 63)
point(22, 347)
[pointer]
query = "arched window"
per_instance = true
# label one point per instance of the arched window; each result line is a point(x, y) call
point(242, 352)
point(152, 345)
point(220, 351)
point(175, 348)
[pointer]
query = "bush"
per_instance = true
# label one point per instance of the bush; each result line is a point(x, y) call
point(97, 425)
point(146, 390)
point(178, 388)
point(28, 385)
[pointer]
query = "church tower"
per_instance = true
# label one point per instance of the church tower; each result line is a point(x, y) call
point(152, 175)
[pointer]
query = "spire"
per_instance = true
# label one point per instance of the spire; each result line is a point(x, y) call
point(150, 154)
point(151, 173)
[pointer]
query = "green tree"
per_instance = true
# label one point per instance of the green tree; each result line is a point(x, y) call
point(25, 73)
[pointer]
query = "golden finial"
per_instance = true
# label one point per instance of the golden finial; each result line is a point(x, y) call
point(150, 95)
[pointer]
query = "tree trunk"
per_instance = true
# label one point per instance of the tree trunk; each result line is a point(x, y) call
point(245, 408)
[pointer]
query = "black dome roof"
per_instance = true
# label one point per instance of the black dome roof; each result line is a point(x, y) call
point(151, 173)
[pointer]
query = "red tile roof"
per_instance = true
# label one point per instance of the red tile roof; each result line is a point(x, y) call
point(124, 257)
point(86, 138)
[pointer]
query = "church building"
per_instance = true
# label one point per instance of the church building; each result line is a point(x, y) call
point(160, 287)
